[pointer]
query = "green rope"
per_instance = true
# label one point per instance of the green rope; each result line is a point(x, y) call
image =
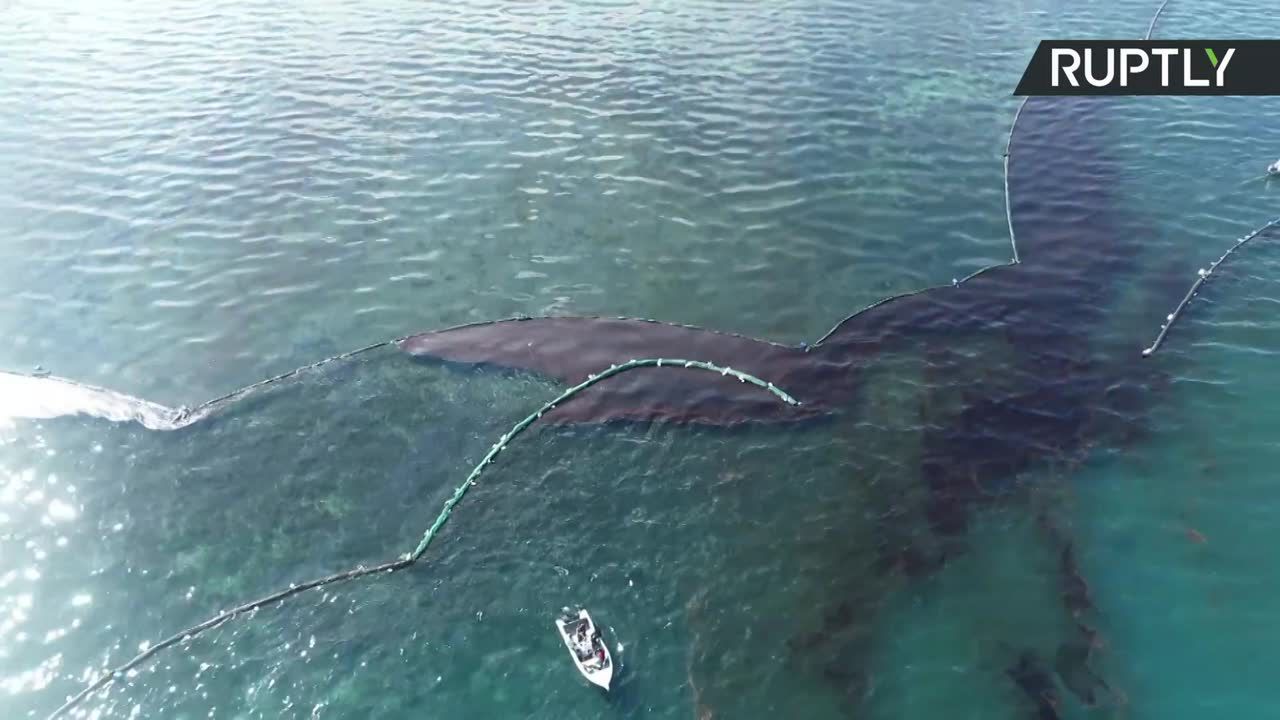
point(567, 394)
point(411, 558)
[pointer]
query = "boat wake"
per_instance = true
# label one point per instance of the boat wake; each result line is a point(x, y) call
point(42, 397)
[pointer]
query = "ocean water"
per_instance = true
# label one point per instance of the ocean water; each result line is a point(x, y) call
point(195, 196)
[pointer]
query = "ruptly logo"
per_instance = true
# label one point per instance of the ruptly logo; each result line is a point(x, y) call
point(1152, 67)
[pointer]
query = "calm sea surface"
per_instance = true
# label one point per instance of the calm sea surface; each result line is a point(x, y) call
point(198, 195)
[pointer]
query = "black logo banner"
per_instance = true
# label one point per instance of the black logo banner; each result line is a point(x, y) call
point(1153, 67)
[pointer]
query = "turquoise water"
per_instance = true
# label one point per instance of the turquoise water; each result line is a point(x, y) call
point(196, 196)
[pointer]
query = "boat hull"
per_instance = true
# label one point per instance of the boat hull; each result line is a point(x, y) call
point(596, 672)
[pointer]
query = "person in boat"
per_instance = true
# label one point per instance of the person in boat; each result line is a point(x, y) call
point(583, 643)
point(600, 655)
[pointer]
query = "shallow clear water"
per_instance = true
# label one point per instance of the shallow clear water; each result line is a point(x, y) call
point(195, 196)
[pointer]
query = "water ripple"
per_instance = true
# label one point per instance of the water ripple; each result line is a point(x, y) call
point(200, 194)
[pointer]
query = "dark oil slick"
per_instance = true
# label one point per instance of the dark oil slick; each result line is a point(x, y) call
point(1058, 394)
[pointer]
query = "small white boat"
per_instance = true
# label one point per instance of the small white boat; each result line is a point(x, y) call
point(586, 647)
point(1274, 168)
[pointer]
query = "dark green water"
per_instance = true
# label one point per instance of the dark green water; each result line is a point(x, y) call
point(195, 196)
